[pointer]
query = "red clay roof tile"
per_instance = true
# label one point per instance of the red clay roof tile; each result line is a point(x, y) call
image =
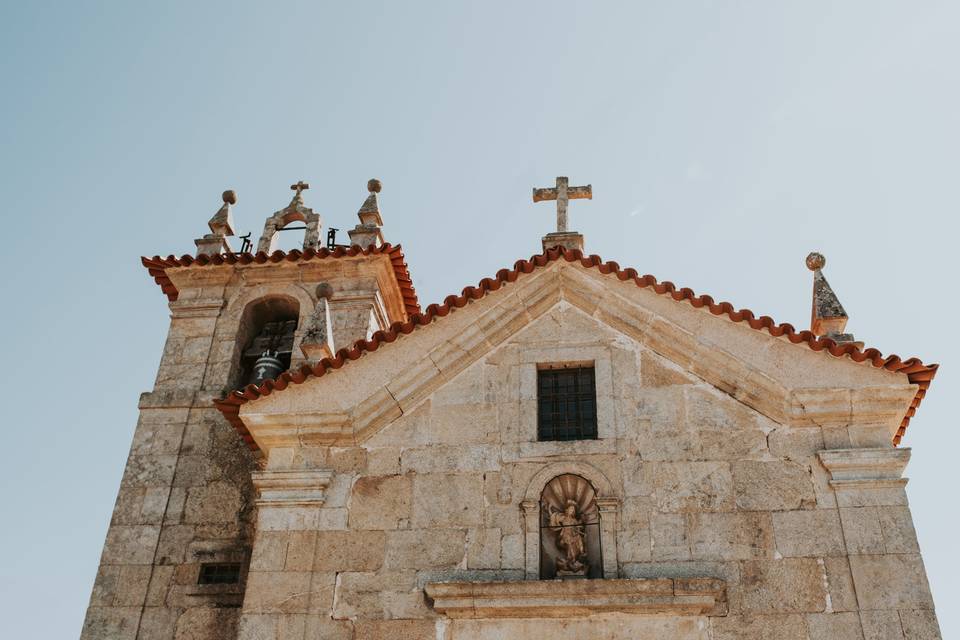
point(157, 266)
point(916, 371)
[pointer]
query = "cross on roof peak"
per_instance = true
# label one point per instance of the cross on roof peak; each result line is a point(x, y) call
point(300, 186)
point(562, 193)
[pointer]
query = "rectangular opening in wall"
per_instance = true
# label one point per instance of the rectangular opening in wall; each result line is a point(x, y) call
point(219, 573)
point(566, 402)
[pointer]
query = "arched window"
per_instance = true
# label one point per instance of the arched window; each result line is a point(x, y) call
point(267, 330)
point(570, 529)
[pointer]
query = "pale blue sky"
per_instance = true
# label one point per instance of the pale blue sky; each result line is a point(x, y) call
point(724, 141)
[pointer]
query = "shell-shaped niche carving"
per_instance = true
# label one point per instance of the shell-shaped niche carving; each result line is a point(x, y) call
point(570, 529)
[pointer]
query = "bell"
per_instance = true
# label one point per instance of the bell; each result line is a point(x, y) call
point(267, 367)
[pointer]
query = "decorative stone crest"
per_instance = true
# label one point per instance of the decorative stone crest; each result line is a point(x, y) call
point(827, 318)
point(368, 232)
point(296, 211)
point(221, 226)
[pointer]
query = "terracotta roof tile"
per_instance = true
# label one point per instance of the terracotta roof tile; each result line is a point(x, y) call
point(157, 266)
point(916, 371)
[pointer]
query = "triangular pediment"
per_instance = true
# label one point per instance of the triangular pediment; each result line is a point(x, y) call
point(788, 383)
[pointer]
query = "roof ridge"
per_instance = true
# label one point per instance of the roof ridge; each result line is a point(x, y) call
point(917, 372)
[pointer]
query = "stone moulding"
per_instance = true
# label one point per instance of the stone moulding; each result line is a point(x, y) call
point(867, 477)
point(576, 598)
point(291, 488)
point(856, 466)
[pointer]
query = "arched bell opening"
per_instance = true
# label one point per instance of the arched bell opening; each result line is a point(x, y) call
point(291, 232)
point(266, 336)
point(570, 529)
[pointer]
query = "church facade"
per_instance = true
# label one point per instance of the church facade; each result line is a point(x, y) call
point(568, 449)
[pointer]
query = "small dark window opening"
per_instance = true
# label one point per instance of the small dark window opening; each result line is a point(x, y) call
point(566, 404)
point(219, 573)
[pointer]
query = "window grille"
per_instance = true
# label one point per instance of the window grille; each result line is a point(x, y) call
point(219, 573)
point(566, 404)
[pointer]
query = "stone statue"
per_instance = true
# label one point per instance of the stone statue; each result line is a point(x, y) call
point(571, 539)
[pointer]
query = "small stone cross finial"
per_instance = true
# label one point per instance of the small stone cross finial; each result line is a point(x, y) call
point(562, 193)
point(300, 186)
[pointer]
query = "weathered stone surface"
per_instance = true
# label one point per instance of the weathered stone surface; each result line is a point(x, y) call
point(772, 486)
point(659, 372)
point(131, 545)
point(729, 536)
point(393, 629)
point(834, 626)
point(899, 536)
point(321, 627)
point(760, 627)
point(604, 627)
point(669, 540)
point(483, 551)
point(118, 623)
point(420, 548)
point(385, 594)
point(206, 623)
point(862, 530)
point(288, 592)
point(447, 500)
point(691, 486)
point(919, 625)
point(796, 444)
point(881, 625)
point(349, 550)
point(132, 585)
point(380, 502)
point(791, 585)
point(215, 502)
point(843, 597)
point(160, 623)
point(893, 581)
point(808, 533)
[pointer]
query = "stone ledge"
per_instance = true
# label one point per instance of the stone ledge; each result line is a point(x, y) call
point(575, 598)
point(847, 465)
point(291, 488)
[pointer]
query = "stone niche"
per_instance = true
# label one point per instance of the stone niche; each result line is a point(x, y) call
point(570, 523)
point(570, 541)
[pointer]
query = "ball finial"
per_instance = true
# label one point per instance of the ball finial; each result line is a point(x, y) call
point(324, 291)
point(815, 261)
point(230, 196)
point(374, 185)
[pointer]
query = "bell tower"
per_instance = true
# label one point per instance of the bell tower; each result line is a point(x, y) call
point(177, 552)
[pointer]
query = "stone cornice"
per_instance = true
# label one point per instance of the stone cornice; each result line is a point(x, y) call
point(196, 308)
point(574, 598)
point(863, 465)
point(867, 477)
point(286, 488)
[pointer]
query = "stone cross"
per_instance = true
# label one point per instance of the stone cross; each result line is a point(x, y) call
point(562, 193)
point(300, 186)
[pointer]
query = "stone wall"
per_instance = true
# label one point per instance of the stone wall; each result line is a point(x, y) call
point(697, 485)
point(807, 525)
point(186, 496)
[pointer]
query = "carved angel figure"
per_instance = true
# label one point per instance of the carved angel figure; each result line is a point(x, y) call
point(571, 538)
